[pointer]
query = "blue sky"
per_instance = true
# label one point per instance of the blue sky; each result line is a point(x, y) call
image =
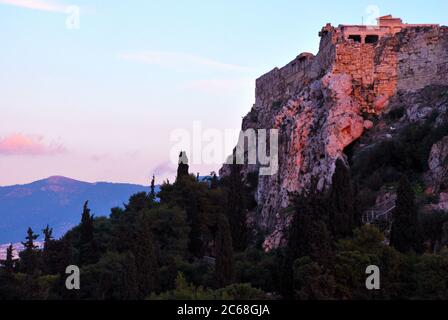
point(99, 103)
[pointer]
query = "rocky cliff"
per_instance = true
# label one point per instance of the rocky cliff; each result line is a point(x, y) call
point(340, 99)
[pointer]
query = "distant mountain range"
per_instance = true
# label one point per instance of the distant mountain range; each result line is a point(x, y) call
point(18, 247)
point(57, 201)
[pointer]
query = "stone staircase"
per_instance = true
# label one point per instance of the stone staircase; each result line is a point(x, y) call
point(382, 211)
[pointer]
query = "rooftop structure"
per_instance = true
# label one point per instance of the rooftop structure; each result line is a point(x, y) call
point(387, 26)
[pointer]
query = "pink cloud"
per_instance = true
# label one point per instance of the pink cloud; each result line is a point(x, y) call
point(99, 157)
point(164, 169)
point(35, 5)
point(29, 145)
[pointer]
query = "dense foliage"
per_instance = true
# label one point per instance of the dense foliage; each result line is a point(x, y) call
point(192, 241)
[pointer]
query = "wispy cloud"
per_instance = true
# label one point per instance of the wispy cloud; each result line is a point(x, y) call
point(165, 169)
point(36, 5)
point(179, 60)
point(99, 157)
point(220, 86)
point(28, 145)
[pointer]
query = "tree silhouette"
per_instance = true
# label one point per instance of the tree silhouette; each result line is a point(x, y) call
point(146, 263)
point(29, 256)
point(342, 211)
point(236, 208)
point(405, 232)
point(152, 193)
point(308, 236)
point(87, 247)
point(224, 254)
point(9, 262)
point(182, 169)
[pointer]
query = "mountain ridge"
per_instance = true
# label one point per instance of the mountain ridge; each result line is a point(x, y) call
point(57, 201)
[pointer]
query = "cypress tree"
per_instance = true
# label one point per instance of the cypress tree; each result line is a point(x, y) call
point(405, 232)
point(130, 278)
point(213, 181)
point(236, 209)
point(342, 211)
point(62, 257)
point(87, 249)
point(182, 169)
point(309, 236)
point(152, 193)
point(195, 219)
point(65, 256)
point(224, 254)
point(146, 263)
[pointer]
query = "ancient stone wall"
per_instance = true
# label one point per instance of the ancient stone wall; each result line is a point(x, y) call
point(319, 103)
point(373, 69)
point(277, 86)
point(423, 58)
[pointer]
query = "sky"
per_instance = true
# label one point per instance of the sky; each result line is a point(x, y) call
point(98, 90)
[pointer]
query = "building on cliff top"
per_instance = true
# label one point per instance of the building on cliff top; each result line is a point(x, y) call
point(271, 87)
point(323, 104)
point(387, 26)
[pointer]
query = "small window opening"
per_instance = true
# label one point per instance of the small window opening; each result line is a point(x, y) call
point(372, 39)
point(356, 38)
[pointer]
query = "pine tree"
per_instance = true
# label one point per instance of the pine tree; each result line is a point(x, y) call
point(146, 263)
point(47, 253)
point(48, 237)
point(9, 262)
point(405, 233)
point(342, 211)
point(139, 202)
point(29, 243)
point(87, 247)
point(29, 256)
point(224, 254)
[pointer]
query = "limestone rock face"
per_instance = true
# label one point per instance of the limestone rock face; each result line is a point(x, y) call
point(320, 105)
point(438, 164)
